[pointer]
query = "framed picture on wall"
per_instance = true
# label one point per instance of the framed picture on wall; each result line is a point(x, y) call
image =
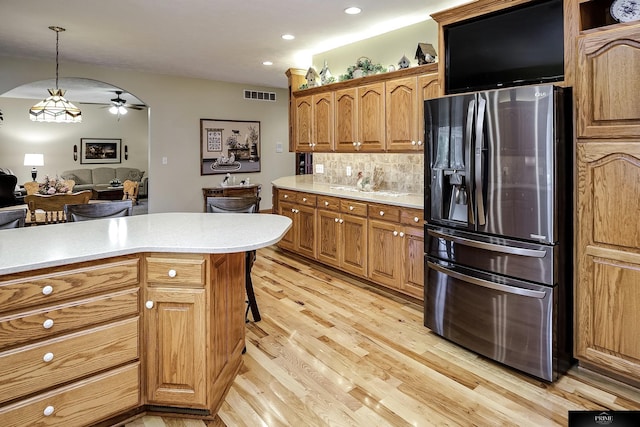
point(228, 146)
point(100, 150)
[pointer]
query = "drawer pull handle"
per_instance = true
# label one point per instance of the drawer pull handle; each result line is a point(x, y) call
point(149, 304)
point(381, 213)
point(47, 324)
point(47, 290)
point(326, 203)
point(416, 219)
point(48, 411)
point(172, 273)
point(351, 208)
point(48, 357)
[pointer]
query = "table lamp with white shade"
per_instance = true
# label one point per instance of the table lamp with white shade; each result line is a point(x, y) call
point(34, 160)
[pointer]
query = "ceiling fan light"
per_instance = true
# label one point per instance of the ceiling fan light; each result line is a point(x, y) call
point(113, 109)
point(56, 109)
point(122, 110)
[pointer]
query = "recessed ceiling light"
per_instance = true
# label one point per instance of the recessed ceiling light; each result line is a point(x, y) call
point(267, 63)
point(352, 10)
point(288, 37)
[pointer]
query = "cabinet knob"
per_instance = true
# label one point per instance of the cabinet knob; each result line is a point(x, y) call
point(286, 196)
point(149, 304)
point(47, 290)
point(395, 233)
point(416, 219)
point(336, 220)
point(48, 411)
point(381, 213)
point(172, 273)
point(48, 357)
point(419, 143)
point(401, 234)
point(304, 199)
point(326, 203)
point(413, 143)
point(350, 208)
point(47, 324)
point(341, 220)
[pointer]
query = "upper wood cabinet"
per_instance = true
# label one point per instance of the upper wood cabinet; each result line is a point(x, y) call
point(383, 112)
point(607, 83)
point(314, 122)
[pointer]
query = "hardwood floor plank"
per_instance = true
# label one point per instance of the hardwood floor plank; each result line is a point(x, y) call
point(333, 351)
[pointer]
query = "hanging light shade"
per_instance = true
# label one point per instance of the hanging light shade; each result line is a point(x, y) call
point(55, 108)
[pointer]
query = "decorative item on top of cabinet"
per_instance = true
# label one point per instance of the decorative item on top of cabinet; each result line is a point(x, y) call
point(425, 54)
point(607, 83)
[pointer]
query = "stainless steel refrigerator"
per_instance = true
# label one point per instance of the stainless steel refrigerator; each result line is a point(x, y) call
point(498, 242)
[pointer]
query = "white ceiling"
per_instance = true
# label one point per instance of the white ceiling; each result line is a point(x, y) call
point(225, 40)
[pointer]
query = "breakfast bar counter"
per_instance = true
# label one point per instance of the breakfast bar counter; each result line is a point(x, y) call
point(103, 321)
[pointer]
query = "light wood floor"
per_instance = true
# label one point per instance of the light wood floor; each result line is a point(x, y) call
point(330, 352)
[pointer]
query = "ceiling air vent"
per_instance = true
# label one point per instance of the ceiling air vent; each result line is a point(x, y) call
point(260, 96)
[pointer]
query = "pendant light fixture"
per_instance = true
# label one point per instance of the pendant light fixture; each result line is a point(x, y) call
point(55, 108)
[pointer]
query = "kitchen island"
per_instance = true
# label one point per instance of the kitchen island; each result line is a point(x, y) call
point(105, 320)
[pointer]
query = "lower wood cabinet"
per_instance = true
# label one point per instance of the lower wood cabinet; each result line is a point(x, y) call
point(194, 328)
point(381, 243)
point(607, 284)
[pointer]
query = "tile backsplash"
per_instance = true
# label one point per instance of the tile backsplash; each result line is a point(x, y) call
point(400, 171)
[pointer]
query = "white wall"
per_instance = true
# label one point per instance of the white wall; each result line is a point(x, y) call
point(385, 49)
point(176, 106)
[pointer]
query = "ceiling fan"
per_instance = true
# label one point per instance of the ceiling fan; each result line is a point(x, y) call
point(119, 105)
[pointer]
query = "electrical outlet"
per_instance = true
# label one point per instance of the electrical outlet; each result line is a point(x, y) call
point(319, 168)
point(164, 161)
point(348, 170)
point(278, 147)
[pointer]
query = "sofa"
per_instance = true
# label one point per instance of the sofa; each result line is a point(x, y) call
point(88, 179)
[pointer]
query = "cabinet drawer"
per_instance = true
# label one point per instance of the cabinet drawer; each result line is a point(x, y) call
point(175, 271)
point(81, 404)
point(353, 207)
point(287, 195)
point(54, 320)
point(28, 369)
point(385, 212)
point(306, 199)
point(21, 290)
point(328, 203)
point(413, 217)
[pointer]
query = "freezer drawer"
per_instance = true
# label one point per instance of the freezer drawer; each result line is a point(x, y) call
point(509, 321)
point(523, 260)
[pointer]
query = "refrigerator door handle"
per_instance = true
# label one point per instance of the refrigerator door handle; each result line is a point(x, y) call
point(468, 136)
point(479, 146)
point(534, 253)
point(486, 284)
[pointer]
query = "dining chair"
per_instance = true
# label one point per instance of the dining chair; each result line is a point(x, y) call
point(53, 205)
point(14, 218)
point(31, 187)
point(241, 205)
point(130, 191)
point(86, 212)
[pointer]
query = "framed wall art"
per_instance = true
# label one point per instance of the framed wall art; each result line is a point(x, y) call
point(100, 150)
point(228, 146)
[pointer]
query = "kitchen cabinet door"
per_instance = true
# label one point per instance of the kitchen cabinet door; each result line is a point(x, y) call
point(303, 117)
point(428, 88)
point(322, 122)
point(402, 111)
point(607, 285)
point(346, 120)
point(329, 237)
point(385, 249)
point(607, 83)
point(413, 266)
point(371, 118)
point(353, 244)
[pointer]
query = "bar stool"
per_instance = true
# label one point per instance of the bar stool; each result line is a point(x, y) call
point(240, 205)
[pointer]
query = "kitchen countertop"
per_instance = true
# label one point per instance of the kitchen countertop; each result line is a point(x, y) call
point(305, 183)
point(29, 248)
